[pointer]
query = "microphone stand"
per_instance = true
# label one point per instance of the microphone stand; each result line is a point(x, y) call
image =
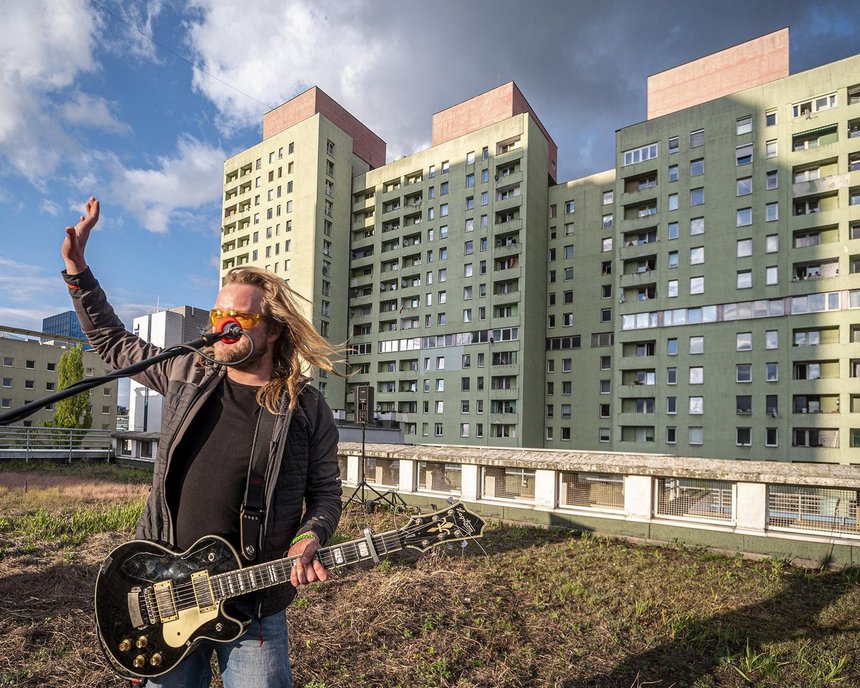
point(83, 385)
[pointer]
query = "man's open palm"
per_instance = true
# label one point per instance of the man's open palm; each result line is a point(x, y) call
point(76, 238)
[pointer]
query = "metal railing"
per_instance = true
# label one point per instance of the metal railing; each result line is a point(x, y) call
point(20, 442)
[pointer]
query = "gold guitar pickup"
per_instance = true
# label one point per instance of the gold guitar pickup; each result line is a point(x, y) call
point(165, 601)
point(203, 594)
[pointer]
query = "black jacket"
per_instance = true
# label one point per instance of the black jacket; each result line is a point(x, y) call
point(302, 470)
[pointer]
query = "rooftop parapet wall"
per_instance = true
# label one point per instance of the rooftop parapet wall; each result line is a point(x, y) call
point(743, 66)
point(365, 144)
point(485, 110)
point(626, 463)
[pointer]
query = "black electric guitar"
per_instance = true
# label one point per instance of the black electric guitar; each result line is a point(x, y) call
point(153, 606)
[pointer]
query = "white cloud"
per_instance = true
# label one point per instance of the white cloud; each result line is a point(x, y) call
point(44, 46)
point(48, 207)
point(95, 112)
point(135, 41)
point(157, 197)
point(29, 294)
point(296, 45)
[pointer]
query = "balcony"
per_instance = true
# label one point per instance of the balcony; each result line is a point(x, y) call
point(508, 249)
point(508, 225)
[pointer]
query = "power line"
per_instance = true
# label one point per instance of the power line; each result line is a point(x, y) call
point(177, 55)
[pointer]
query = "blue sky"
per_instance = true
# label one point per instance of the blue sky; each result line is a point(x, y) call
point(140, 102)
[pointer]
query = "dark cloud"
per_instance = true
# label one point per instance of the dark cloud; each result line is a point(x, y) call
point(582, 65)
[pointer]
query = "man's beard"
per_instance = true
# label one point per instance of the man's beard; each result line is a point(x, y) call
point(230, 353)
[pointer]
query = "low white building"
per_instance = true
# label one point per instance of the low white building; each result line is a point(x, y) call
point(163, 328)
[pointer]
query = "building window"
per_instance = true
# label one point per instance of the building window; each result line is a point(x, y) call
point(673, 145)
point(771, 212)
point(771, 371)
point(771, 437)
point(743, 437)
point(673, 173)
point(697, 167)
point(744, 248)
point(672, 229)
point(771, 243)
point(635, 155)
point(743, 372)
point(744, 186)
point(697, 345)
point(771, 149)
point(672, 203)
point(697, 375)
point(744, 217)
point(695, 435)
point(771, 275)
point(743, 341)
point(770, 118)
point(743, 125)
point(697, 196)
point(697, 226)
point(697, 285)
point(772, 179)
point(697, 255)
point(744, 279)
point(810, 107)
point(697, 138)
point(744, 154)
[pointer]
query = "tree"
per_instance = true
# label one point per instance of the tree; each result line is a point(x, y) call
point(75, 411)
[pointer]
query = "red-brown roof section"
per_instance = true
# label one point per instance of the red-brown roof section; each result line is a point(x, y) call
point(365, 144)
point(488, 108)
point(743, 66)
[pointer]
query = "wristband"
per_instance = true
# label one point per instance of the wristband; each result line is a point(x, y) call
point(303, 536)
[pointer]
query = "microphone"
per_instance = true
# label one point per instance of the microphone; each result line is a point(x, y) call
point(230, 330)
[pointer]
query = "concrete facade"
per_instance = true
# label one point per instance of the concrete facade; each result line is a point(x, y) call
point(28, 372)
point(490, 306)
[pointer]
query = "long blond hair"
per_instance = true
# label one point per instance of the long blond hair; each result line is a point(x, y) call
point(299, 344)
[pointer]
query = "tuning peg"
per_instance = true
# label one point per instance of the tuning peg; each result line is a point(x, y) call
point(451, 501)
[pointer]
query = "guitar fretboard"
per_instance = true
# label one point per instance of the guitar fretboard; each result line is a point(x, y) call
point(241, 581)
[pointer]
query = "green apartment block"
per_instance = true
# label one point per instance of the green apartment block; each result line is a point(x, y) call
point(698, 299)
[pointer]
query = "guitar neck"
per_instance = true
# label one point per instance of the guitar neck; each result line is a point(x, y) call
point(245, 580)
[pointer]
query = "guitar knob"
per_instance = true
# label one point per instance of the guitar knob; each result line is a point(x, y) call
point(155, 660)
point(142, 642)
point(124, 645)
point(139, 661)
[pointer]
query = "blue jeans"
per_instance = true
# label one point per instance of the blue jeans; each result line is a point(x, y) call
point(244, 663)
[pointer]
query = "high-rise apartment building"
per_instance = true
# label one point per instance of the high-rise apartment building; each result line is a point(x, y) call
point(697, 299)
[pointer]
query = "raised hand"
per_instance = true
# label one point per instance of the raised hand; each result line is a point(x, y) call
point(77, 236)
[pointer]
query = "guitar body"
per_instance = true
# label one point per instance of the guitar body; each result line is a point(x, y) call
point(153, 606)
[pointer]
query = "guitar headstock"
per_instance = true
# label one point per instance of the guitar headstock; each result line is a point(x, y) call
point(448, 525)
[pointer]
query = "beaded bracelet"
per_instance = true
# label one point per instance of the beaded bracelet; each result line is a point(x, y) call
point(303, 536)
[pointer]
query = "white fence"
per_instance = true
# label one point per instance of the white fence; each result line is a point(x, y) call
point(28, 443)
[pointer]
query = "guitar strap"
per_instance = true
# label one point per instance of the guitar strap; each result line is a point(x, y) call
point(253, 509)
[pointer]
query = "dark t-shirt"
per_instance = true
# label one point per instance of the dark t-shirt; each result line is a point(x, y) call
point(209, 469)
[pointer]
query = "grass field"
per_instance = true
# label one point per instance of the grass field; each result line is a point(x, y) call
point(524, 607)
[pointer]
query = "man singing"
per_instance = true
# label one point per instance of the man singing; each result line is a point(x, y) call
point(211, 423)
